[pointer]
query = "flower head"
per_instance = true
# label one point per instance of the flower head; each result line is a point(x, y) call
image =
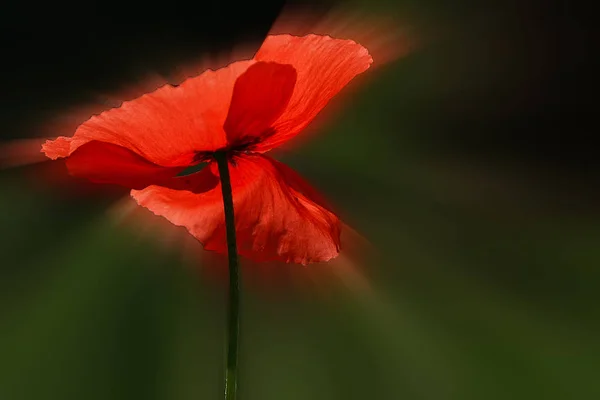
point(242, 110)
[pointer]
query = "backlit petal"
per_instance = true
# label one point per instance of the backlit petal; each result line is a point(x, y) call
point(58, 148)
point(275, 219)
point(167, 126)
point(260, 95)
point(324, 66)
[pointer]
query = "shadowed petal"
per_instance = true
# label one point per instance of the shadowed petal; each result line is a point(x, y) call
point(259, 97)
point(102, 162)
point(167, 126)
point(275, 220)
point(324, 66)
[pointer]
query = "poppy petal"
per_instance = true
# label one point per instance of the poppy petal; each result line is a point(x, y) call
point(102, 162)
point(58, 148)
point(324, 66)
point(260, 95)
point(168, 126)
point(298, 183)
point(274, 219)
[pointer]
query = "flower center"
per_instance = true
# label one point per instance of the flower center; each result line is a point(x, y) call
point(244, 144)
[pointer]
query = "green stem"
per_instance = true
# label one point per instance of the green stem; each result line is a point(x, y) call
point(231, 371)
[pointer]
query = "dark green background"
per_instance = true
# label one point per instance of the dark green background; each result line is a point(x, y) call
point(465, 163)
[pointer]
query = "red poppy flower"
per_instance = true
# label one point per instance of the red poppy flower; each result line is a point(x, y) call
point(244, 109)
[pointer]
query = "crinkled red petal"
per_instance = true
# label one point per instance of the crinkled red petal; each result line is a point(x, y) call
point(168, 126)
point(324, 66)
point(275, 220)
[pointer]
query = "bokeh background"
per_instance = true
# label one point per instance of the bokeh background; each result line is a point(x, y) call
point(466, 163)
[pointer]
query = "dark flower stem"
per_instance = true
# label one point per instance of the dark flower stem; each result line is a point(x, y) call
point(231, 371)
